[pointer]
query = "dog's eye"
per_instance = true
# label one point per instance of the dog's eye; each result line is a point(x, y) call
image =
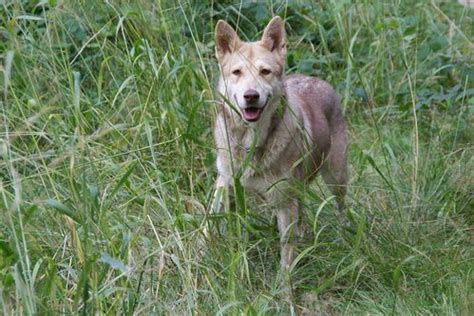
point(265, 71)
point(237, 72)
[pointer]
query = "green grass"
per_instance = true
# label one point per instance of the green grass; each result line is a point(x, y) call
point(107, 161)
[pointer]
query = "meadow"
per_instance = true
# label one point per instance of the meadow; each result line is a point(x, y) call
point(107, 161)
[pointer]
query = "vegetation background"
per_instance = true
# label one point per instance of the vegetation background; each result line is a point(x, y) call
point(107, 161)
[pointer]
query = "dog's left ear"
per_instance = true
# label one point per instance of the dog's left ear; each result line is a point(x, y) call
point(274, 36)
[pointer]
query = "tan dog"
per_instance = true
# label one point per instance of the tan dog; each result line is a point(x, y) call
point(275, 129)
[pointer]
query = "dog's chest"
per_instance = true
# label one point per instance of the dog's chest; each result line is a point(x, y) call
point(261, 168)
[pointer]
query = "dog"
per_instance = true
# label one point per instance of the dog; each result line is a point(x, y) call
point(274, 130)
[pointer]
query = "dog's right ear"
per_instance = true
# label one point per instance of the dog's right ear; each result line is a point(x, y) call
point(226, 39)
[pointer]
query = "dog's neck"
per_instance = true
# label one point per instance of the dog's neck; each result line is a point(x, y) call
point(245, 136)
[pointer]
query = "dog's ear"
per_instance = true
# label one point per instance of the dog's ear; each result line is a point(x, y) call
point(226, 39)
point(274, 36)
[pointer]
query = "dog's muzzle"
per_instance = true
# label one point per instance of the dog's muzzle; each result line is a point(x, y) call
point(253, 113)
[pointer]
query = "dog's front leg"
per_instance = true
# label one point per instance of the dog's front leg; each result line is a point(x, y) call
point(288, 228)
point(220, 194)
point(219, 200)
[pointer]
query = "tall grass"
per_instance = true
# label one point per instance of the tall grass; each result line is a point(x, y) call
point(107, 161)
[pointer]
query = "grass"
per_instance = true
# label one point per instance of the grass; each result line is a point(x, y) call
point(107, 161)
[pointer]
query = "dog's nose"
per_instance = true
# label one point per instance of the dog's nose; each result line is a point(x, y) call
point(251, 96)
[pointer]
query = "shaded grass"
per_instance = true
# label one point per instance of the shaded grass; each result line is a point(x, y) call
point(107, 161)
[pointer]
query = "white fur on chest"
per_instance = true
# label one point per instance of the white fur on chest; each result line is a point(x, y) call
point(277, 148)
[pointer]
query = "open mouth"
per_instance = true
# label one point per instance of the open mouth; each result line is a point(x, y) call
point(252, 114)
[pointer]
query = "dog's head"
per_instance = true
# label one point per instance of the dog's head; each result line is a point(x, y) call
point(251, 73)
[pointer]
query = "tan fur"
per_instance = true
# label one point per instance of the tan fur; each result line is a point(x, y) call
point(300, 131)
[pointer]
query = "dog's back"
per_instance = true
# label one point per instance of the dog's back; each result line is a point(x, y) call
point(317, 104)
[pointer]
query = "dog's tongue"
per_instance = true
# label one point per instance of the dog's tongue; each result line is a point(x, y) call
point(252, 114)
